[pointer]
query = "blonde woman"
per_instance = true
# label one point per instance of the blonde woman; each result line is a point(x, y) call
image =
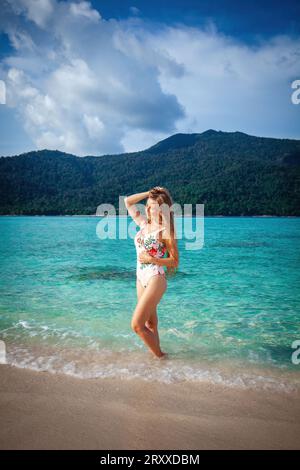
point(155, 238)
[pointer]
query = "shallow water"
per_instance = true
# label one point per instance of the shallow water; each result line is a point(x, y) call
point(230, 315)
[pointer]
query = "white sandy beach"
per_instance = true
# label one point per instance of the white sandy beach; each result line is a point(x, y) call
point(40, 410)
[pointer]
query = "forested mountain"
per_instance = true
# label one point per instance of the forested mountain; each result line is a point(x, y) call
point(232, 173)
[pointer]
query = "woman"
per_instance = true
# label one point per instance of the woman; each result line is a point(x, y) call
point(155, 238)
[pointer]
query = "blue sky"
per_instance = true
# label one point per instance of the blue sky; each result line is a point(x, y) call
point(100, 77)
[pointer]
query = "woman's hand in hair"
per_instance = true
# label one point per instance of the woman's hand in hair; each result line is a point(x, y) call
point(156, 190)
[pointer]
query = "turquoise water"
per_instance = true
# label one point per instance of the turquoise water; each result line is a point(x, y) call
point(230, 315)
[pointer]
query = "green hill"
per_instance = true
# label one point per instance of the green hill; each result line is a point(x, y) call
point(232, 173)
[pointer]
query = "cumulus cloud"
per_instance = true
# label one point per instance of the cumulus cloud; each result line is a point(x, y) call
point(232, 86)
point(76, 88)
point(86, 85)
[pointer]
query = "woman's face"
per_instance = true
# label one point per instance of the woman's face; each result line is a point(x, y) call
point(153, 208)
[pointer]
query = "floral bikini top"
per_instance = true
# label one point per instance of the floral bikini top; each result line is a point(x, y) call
point(150, 242)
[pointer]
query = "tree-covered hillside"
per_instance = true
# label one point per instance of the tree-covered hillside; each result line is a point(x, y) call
point(232, 173)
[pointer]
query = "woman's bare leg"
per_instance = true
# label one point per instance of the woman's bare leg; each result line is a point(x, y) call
point(152, 322)
point(139, 289)
point(145, 313)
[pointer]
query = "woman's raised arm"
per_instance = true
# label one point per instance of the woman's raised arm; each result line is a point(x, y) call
point(130, 202)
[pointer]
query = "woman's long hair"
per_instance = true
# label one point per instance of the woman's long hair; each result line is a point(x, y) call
point(162, 196)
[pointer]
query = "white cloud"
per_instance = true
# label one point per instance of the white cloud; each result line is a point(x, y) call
point(37, 11)
point(21, 40)
point(87, 85)
point(97, 90)
point(84, 9)
point(229, 85)
point(94, 126)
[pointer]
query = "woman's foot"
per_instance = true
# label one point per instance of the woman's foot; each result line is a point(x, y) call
point(163, 355)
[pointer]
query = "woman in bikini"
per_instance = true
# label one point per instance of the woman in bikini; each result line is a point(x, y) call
point(156, 237)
